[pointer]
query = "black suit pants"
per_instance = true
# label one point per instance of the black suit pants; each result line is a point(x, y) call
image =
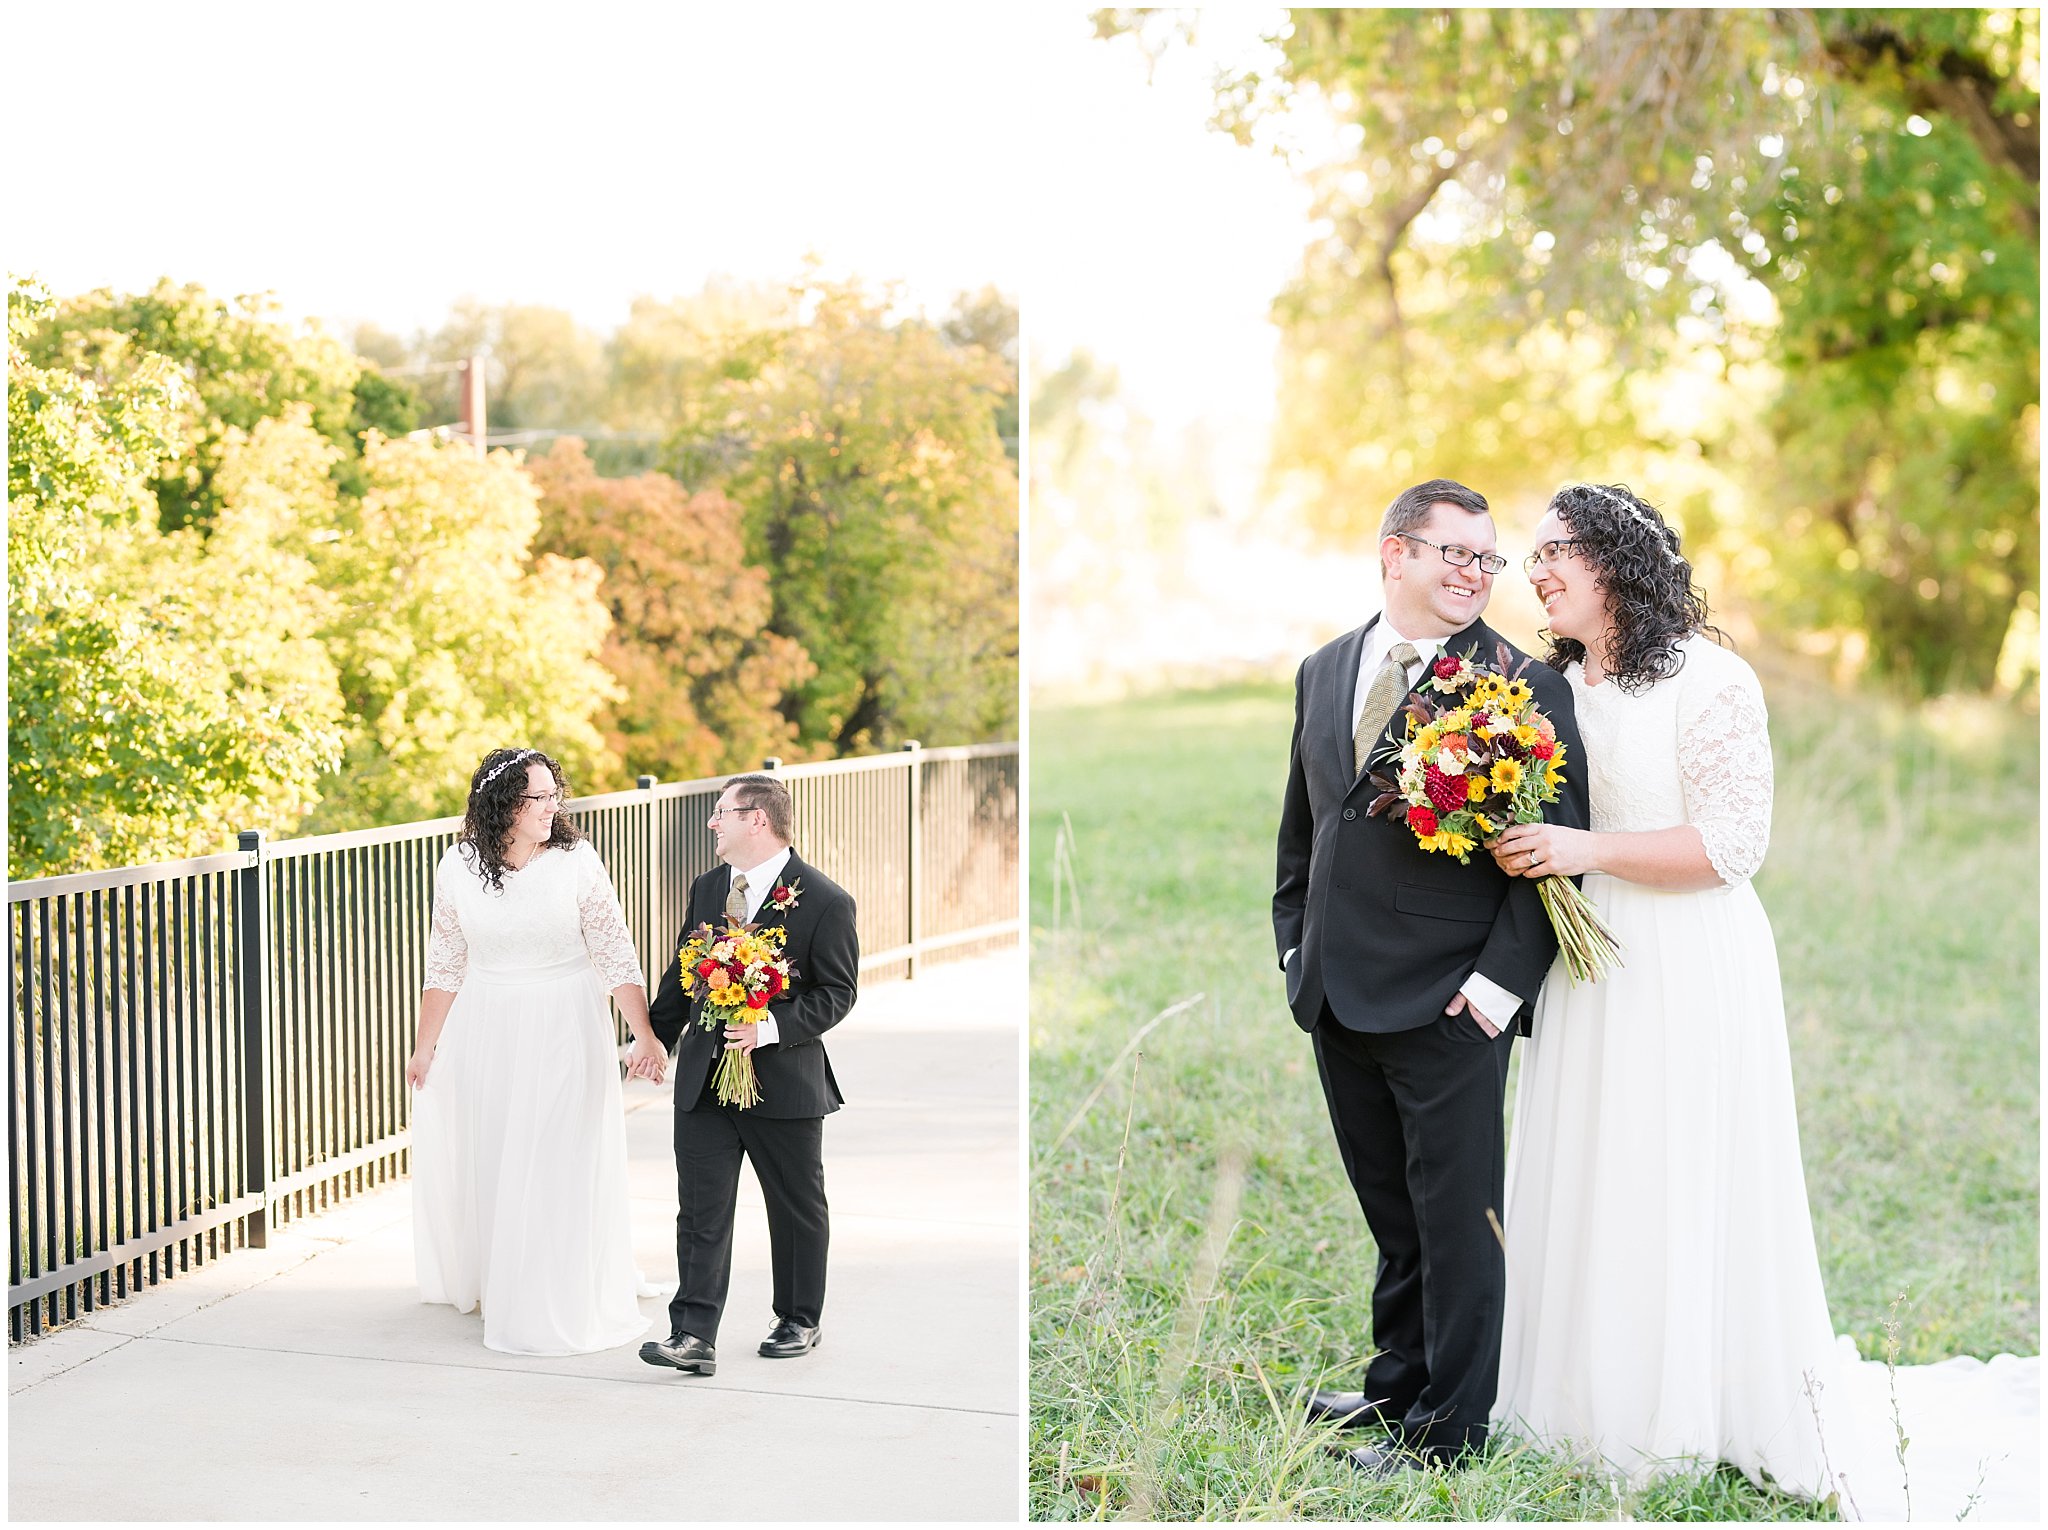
point(1418, 1121)
point(787, 1159)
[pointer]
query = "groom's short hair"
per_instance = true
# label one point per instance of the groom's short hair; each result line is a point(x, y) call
point(1411, 506)
point(770, 796)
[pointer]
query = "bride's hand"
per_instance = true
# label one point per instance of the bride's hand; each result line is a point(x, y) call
point(416, 1070)
point(648, 1060)
point(1543, 850)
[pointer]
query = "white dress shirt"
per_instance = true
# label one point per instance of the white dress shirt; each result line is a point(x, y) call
point(761, 881)
point(1480, 991)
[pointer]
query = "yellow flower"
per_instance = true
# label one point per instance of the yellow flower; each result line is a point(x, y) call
point(1484, 824)
point(1553, 775)
point(1475, 789)
point(1525, 735)
point(1516, 692)
point(1455, 844)
point(1507, 775)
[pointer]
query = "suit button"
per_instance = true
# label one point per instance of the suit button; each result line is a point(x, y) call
point(1349, 814)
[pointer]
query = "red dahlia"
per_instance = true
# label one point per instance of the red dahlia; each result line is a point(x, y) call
point(1422, 820)
point(1543, 749)
point(1445, 667)
point(1447, 793)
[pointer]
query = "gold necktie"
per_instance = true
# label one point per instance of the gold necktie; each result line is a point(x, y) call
point(1385, 693)
point(736, 899)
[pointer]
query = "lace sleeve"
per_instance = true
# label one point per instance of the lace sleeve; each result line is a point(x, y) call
point(1724, 756)
point(605, 935)
point(447, 950)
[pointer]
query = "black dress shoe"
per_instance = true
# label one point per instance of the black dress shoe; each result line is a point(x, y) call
point(1350, 1410)
point(684, 1351)
point(1383, 1461)
point(789, 1340)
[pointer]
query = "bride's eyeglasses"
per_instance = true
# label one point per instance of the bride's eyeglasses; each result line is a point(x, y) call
point(554, 799)
point(1460, 557)
point(1547, 553)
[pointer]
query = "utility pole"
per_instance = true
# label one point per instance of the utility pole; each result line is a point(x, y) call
point(470, 374)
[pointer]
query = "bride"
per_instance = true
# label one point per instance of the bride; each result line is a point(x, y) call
point(1664, 1306)
point(518, 1136)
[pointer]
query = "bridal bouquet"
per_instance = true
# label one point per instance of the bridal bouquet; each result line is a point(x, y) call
point(739, 970)
point(1481, 759)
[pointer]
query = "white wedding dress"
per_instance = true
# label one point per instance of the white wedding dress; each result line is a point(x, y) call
point(518, 1135)
point(1664, 1304)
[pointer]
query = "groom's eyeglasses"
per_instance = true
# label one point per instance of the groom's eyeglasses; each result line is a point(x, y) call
point(1460, 557)
point(1547, 553)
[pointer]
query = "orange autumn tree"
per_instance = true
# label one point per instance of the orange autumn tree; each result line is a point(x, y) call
point(703, 676)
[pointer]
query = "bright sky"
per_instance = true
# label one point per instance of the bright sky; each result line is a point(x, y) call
point(380, 160)
point(1157, 243)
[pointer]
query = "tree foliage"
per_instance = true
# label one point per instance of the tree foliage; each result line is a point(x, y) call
point(1787, 259)
point(879, 498)
point(162, 689)
point(243, 365)
point(700, 676)
point(449, 635)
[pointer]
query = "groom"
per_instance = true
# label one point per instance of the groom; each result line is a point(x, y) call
point(1409, 971)
point(761, 881)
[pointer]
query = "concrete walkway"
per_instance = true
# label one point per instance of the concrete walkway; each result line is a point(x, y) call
point(307, 1380)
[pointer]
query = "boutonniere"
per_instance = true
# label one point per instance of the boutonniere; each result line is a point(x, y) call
point(784, 895)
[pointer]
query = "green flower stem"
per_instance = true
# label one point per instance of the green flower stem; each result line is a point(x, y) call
point(1589, 948)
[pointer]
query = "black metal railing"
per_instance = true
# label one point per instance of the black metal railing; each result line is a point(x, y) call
point(205, 1049)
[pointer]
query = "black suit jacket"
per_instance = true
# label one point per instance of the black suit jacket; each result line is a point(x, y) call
point(824, 955)
point(1383, 929)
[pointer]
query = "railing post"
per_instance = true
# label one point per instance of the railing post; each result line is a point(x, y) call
point(913, 880)
point(772, 764)
point(656, 870)
point(252, 981)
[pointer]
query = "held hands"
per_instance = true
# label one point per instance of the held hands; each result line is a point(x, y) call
point(741, 1038)
point(648, 1059)
point(1459, 1004)
point(1543, 850)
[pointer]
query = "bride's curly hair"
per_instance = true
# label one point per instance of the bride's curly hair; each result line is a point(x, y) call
point(1636, 561)
point(497, 791)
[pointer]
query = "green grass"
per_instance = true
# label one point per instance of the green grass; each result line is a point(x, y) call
point(1197, 1257)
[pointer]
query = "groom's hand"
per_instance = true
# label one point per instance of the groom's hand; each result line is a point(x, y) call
point(1458, 1006)
point(648, 1060)
point(741, 1038)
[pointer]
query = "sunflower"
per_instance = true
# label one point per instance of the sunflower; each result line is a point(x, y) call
point(1507, 775)
point(1516, 693)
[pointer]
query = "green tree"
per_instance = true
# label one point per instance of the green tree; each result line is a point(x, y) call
point(243, 364)
point(448, 635)
point(879, 498)
point(162, 693)
point(988, 320)
point(1546, 224)
point(542, 370)
point(700, 676)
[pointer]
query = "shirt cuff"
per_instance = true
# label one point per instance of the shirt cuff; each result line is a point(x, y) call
point(1491, 1000)
point(765, 1033)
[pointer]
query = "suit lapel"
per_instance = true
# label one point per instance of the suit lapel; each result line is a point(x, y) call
point(1342, 691)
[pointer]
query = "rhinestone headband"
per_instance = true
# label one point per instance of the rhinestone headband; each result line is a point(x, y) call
point(504, 765)
point(1639, 513)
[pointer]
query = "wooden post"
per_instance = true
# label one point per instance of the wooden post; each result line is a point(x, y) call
point(474, 423)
